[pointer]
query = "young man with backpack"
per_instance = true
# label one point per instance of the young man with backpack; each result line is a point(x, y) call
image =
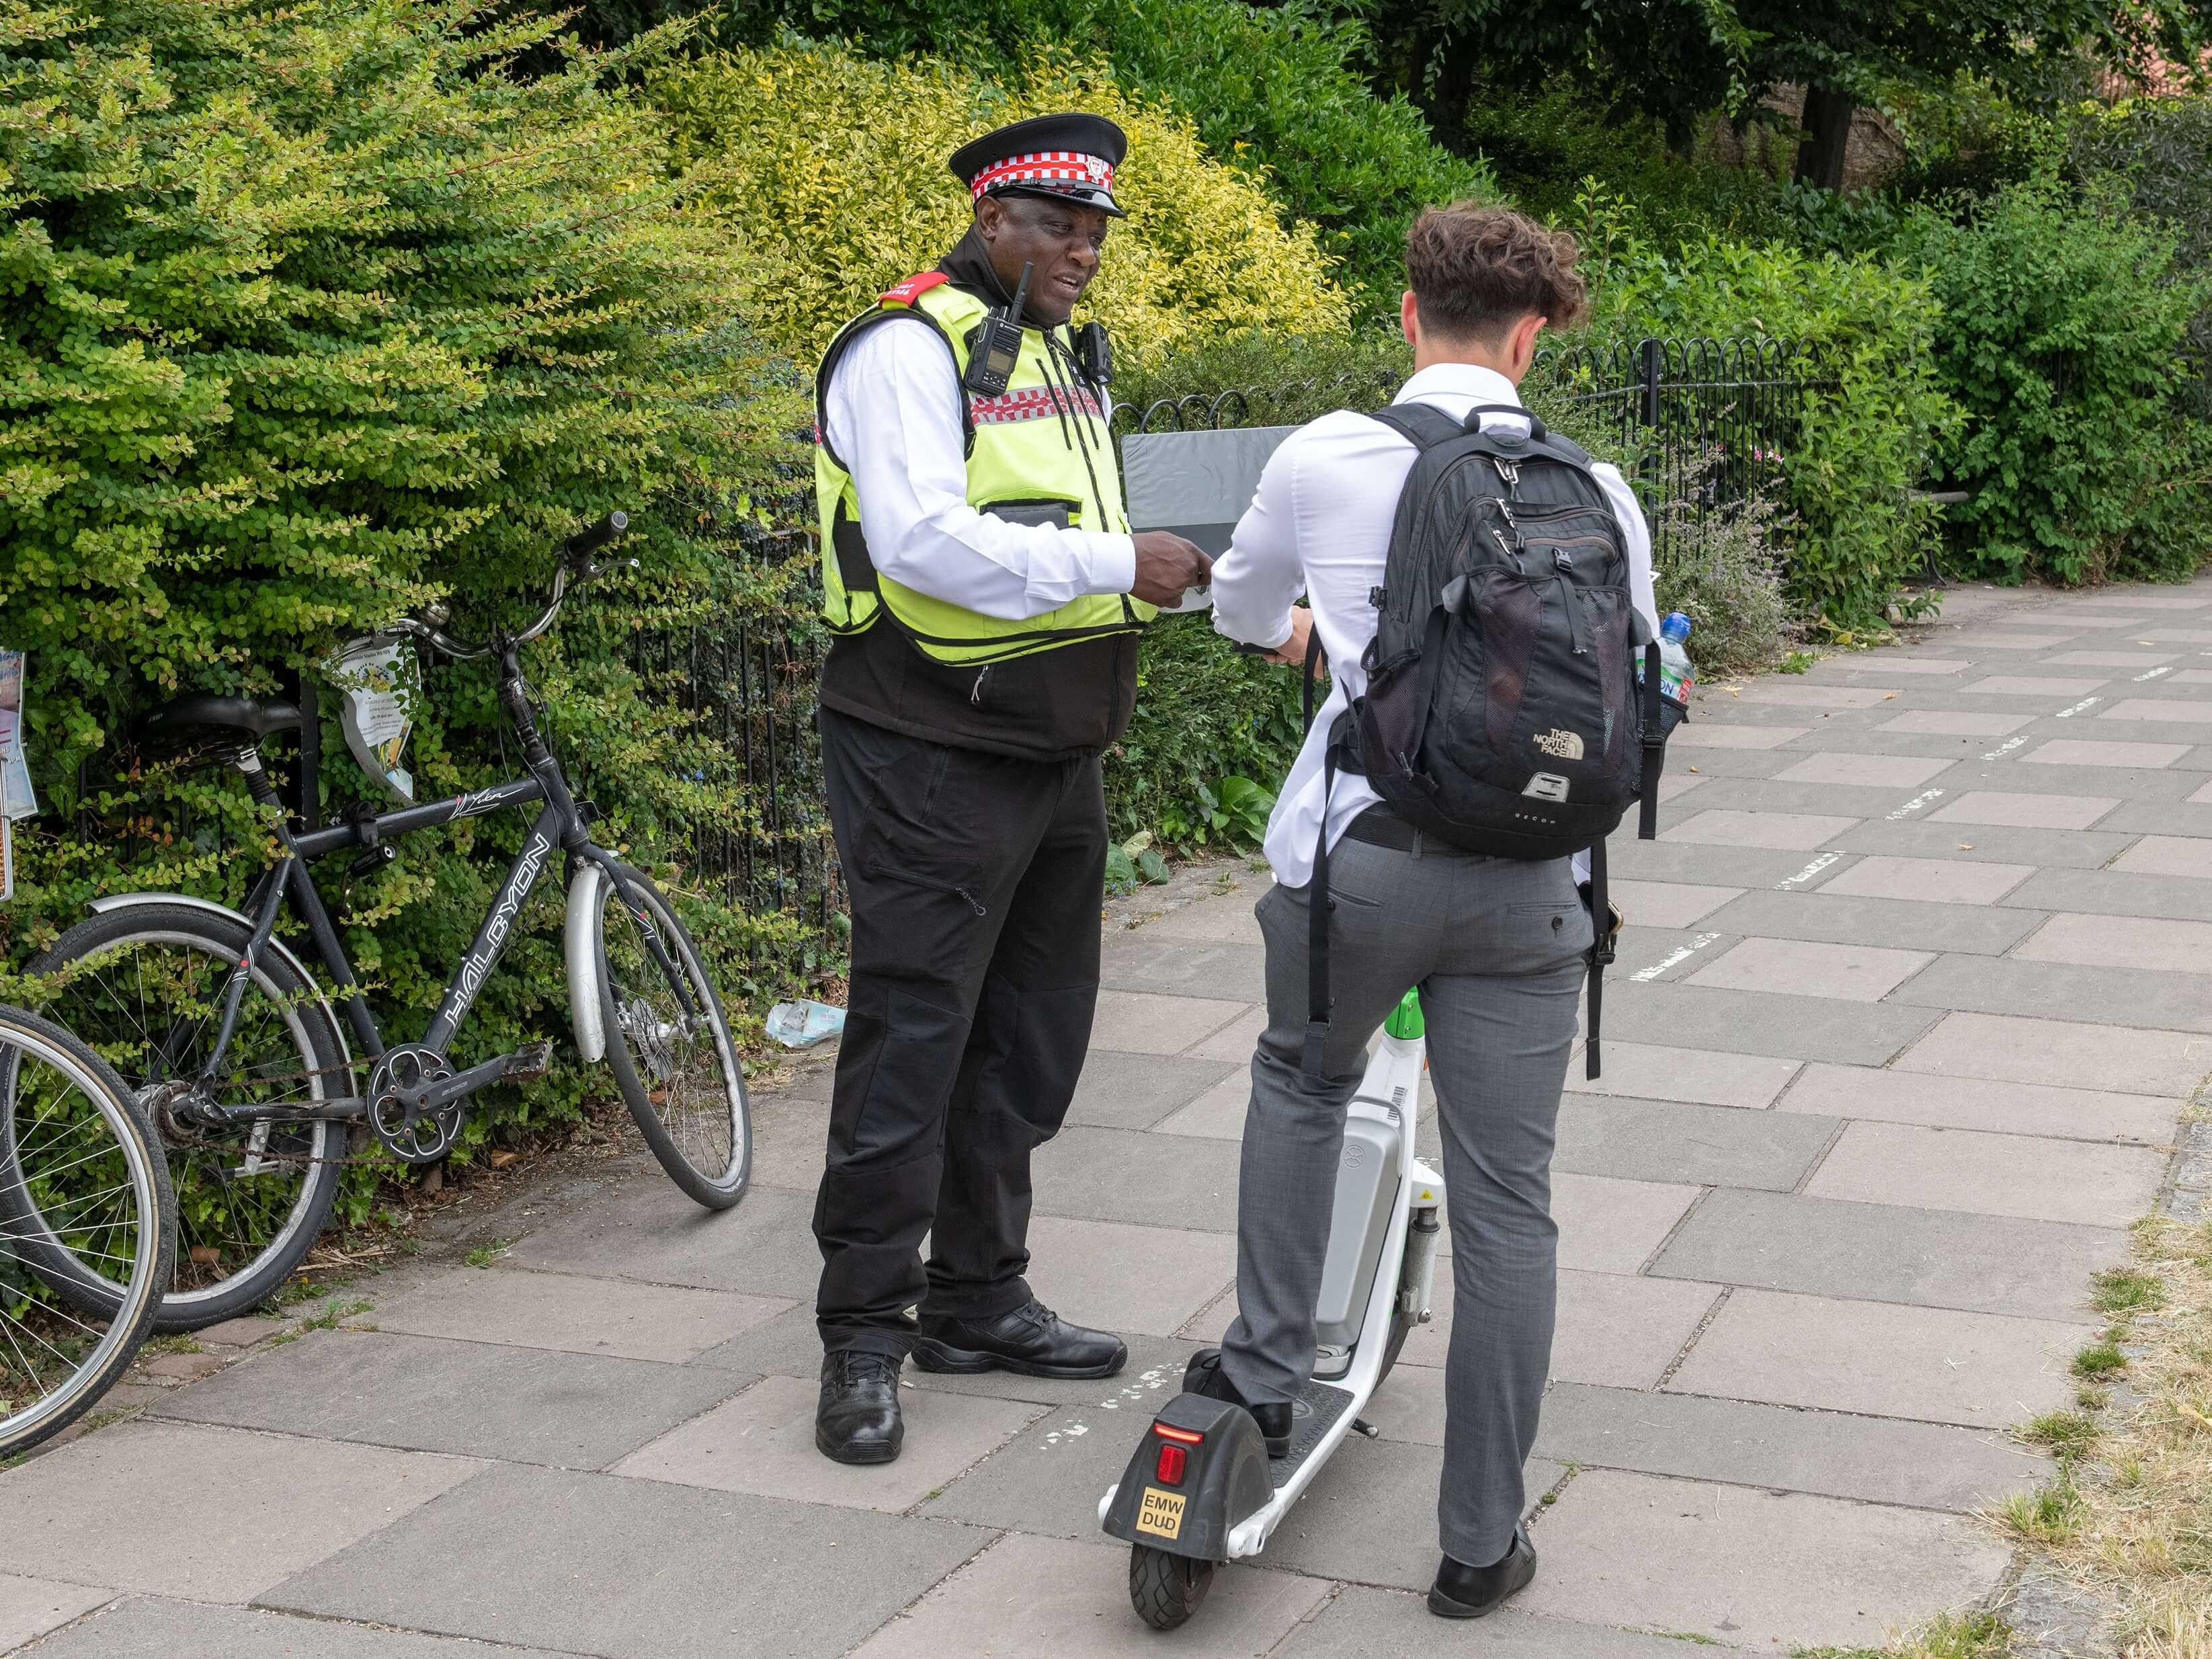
point(1482, 593)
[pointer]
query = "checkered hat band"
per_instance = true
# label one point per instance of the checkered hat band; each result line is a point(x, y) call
point(1069, 167)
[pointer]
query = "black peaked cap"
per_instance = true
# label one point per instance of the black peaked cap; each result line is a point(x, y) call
point(1071, 156)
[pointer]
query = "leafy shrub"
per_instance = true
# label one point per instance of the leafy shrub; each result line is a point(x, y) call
point(1273, 90)
point(1207, 716)
point(1724, 571)
point(2063, 339)
point(1256, 377)
point(313, 313)
point(826, 171)
point(1870, 424)
point(2156, 155)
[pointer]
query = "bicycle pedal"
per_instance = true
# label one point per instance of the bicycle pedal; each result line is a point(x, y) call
point(531, 1060)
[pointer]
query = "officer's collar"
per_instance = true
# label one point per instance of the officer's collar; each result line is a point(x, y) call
point(969, 267)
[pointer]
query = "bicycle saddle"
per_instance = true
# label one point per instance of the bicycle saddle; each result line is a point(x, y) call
point(200, 721)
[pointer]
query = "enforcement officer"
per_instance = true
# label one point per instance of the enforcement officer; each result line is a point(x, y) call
point(985, 596)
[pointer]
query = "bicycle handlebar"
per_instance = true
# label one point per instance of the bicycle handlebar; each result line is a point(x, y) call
point(575, 559)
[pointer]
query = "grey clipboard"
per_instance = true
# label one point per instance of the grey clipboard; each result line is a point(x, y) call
point(1196, 483)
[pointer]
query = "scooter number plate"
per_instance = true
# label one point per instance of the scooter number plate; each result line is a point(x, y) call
point(1160, 1513)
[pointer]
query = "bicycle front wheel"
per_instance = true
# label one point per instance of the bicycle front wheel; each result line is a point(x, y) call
point(669, 1045)
point(143, 986)
point(86, 1179)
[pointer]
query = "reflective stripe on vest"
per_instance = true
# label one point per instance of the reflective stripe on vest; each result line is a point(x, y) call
point(1028, 450)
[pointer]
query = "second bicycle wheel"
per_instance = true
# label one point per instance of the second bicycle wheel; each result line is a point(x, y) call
point(143, 986)
point(668, 1044)
point(85, 1184)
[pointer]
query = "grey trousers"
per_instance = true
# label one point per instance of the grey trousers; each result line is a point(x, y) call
point(1497, 947)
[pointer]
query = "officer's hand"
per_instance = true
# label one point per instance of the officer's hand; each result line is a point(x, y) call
point(1166, 566)
point(1292, 651)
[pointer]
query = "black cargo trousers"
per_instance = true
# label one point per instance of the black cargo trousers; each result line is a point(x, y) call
point(974, 882)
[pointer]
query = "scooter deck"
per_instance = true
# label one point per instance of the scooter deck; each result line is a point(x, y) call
point(1320, 1404)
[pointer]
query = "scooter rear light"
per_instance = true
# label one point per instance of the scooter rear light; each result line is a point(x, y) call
point(1173, 1462)
point(1181, 1436)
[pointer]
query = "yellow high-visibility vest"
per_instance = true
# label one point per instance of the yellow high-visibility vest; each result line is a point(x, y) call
point(1040, 451)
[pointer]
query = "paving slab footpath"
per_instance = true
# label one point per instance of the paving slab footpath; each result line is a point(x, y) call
point(1915, 983)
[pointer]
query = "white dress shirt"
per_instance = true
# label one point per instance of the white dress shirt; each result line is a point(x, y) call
point(893, 417)
point(1320, 525)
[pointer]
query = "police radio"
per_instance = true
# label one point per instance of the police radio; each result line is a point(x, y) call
point(1094, 354)
point(996, 347)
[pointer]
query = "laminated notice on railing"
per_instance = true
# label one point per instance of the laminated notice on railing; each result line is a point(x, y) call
point(379, 676)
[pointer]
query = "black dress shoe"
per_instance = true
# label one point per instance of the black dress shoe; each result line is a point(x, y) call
point(1031, 1341)
point(1204, 1375)
point(1465, 1592)
point(858, 1418)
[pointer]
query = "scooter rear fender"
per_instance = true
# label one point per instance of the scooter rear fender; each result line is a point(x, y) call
point(1224, 1480)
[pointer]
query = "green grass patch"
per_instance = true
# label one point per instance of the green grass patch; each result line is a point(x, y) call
point(2052, 1514)
point(2100, 1358)
point(484, 1255)
point(2120, 1290)
point(2068, 1434)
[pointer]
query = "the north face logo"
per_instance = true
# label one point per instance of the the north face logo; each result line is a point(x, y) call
point(1565, 745)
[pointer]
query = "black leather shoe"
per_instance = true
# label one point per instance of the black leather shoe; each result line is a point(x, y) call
point(1031, 1341)
point(858, 1418)
point(1204, 1375)
point(1465, 1592)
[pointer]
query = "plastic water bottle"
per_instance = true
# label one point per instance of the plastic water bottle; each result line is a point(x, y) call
point(1678, 679)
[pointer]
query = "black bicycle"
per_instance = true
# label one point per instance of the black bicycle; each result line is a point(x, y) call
point(245, 1067)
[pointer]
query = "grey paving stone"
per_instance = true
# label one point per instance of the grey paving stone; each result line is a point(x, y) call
point(1881, 771)
point(2189, 817)
point(2078, 849)
point(1619, 1329)
point(646, 1230)
point(1881, 1359)
point(1964, 1103)
point(791, 1132)
point(1888, 1253)
point(1850, 973)
point(145, 1627)
point(1654, 1071)
point(2019, 641)
point(1761, 1022)
point(1224, 918)
point(1928, 881)
point(2110, 941)
point(2144, 599)
point(1801, 694)
point(2066, 751)
point(2165, 711)
point(607, 1316)
point(1132, 962)
point(1696, 733)
point(1839, 920)
point(633, 1569)
point(762, 1442)
point(1937, 722)
point(1135, 1092)
point(1985, 1174)
point(1610, 1226)
point(1217, 1115)
point(2028, 686)
point(2072, 1053)
point(1780, 795)
point(1699, 865)
point(1752, 1568)
point(1362, 1623)
point(32, 1607)
point(2010, 985)
point(1234, 1042)
point(469, 1398)
point(1125, 1279)
point(1119, 1175)
point(1791, 831)
point(1138, 1022)
point(1702, 1146)
point(2189, 856)
point(1052, 1598)
point(2109, 659)
point(262, 1506)
point(1668, 903)
point(1752, 1443)
point(2111, 892)
point(1049, 1478)
point(2021, 812)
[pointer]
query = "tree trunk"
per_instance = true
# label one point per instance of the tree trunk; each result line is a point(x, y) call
point(1827, 132)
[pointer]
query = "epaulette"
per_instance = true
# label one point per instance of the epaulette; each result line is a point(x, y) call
point(906, 293)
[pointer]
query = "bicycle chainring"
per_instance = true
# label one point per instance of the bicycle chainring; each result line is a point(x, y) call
point(402, 1123)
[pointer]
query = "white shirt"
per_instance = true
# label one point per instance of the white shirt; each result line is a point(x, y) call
point(1320, 525)
point(893, 417)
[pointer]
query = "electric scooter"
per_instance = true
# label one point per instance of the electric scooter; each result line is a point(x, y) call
point(1200, 1489)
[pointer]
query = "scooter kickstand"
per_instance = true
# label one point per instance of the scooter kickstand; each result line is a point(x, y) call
point(1361, 1425)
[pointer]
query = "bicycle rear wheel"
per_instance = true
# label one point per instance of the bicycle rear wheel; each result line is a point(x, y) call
point(85, 1162)
point(144, 987)
point(669, 1045)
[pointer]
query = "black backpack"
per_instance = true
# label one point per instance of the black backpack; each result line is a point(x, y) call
point(1502, 714)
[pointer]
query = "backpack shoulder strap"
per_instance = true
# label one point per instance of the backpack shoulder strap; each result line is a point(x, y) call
point(1422, 425)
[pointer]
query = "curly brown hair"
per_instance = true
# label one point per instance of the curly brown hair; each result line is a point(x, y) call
point(1476, 271)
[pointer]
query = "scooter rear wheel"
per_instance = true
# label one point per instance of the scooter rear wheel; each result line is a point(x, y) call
point(1165, 1589)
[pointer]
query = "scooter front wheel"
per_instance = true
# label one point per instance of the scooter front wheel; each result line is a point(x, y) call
point(1165, 1589)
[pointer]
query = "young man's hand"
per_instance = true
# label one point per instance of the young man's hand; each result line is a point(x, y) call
point(1292, 651)
point(1167, 565)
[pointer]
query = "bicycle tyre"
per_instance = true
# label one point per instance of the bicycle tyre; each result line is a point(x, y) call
point(153, 1232)
point(310, 1041)
point(707, 1154)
